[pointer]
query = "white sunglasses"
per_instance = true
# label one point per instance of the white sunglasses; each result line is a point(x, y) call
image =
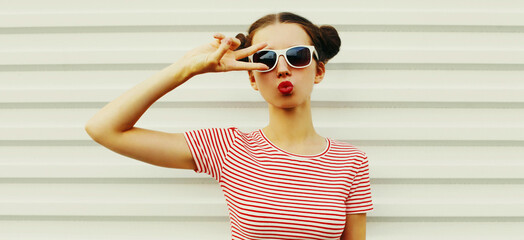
point(296, 56)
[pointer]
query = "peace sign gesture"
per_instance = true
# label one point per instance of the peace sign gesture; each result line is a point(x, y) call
point(220, 56)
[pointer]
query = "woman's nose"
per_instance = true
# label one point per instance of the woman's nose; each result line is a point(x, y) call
point(283, 69)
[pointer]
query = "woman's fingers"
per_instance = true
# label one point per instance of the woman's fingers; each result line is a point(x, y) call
point(219, 36)
point(235, 44)
point(242, 53)
point(238, 65)
point(225, 44)
point(221, 51)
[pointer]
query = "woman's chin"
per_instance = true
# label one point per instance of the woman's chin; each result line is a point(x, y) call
point(288, 105)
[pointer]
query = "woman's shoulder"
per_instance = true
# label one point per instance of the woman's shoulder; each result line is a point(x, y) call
point(239, 133)
point(343, 147)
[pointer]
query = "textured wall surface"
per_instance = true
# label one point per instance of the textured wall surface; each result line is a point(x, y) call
point(432, 91)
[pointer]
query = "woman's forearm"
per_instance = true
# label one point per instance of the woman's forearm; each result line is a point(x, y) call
point(122, 113)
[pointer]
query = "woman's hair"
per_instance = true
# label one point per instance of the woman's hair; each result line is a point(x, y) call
point(325, 38)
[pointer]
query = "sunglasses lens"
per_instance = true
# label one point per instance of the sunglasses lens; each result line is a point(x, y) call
point(299, 56)
point(266, 57)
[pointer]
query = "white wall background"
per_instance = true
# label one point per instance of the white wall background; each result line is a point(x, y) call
point(433, 91)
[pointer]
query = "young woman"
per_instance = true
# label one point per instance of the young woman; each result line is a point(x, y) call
point(283, 181)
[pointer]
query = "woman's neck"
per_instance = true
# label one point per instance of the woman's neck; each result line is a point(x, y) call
point(293, 125)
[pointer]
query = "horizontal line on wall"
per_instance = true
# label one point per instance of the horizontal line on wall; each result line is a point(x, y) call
point(84, 67)
point(223, 17)
point(429, 181)
point(426, 66)
point(445, 219)
point(226, 219)
point(244, 28)
point(467, 143)
point(389, 181)
point(330, 66)
point(98, 105)
point(125, 29)
point(118, 218)
point(237, 104)
point(427, 28)
point(179, 180)
point(47, 143)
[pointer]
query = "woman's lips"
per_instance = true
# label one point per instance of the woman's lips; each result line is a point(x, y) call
point(285, 87)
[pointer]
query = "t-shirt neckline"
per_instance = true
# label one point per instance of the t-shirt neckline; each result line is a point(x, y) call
point(328, 146)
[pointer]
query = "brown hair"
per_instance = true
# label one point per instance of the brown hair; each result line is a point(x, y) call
point(325, 38)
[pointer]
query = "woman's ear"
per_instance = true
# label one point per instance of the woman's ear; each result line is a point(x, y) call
point(252, 80)
point(321, 71)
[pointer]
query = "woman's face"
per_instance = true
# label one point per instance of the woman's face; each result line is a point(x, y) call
point(282, 36)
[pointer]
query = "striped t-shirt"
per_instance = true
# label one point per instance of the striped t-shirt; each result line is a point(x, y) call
point(275, 194)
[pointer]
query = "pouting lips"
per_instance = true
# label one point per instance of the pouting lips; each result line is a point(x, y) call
point(285, 87)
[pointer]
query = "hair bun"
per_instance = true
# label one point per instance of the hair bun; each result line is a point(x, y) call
point(330, 42)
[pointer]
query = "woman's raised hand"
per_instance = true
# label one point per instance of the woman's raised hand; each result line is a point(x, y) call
point(220, 56)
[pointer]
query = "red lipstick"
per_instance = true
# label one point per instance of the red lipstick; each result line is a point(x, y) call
point(285, 87)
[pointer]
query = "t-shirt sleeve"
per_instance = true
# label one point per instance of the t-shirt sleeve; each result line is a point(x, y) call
point(359, 199)
point(209, 148)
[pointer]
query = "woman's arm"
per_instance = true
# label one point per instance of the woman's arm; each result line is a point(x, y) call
point(113, 126)
point(355, 227)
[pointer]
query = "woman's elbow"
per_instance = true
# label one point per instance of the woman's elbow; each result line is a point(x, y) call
point(96, 131)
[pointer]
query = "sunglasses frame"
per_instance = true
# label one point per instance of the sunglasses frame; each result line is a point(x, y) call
point(282, 52)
